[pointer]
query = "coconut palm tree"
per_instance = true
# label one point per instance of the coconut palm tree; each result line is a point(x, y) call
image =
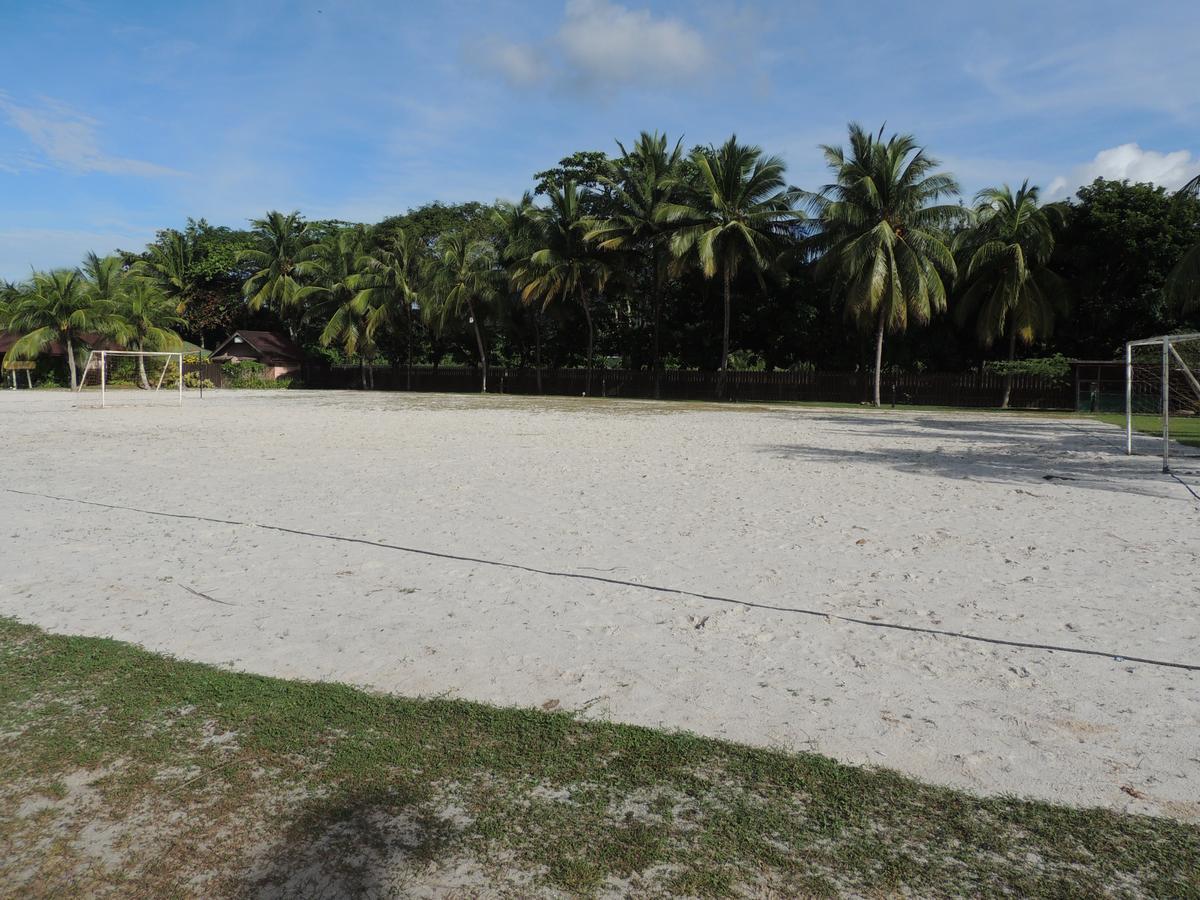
point(147, 320)
point(1183, 284)
point(564, 264)
point(1002, 259)
point(387, 280)
point(644, 185)
point(464, 280)
point(59, 307)
point(170, 262)
point(516, 226)
point(736, 216)
point(283, 260)
point(334, 267)
point(882, 241)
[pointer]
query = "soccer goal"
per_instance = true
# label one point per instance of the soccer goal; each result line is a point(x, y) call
point(129, 376)
point(1162, 390)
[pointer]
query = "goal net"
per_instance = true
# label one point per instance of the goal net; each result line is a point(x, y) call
point(1162, 396)
point(131, 377)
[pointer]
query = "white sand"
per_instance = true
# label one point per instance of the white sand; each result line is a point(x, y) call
point(932, 520)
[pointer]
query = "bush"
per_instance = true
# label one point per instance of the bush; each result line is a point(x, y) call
point(192, 380)
point(1057, 366)
point(243, 373)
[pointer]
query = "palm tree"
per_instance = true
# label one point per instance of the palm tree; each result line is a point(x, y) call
point(148, 319)
point(464, 279)
point(646, 183)
point(735, 216)
point(387, 281)
point(1183, 284)
point(881, 233)
point(285, 257)
point(170, 261)
point(563, 264)
point(59, 307)
point(517, 227)
point(335, 267)
point(1003, 260)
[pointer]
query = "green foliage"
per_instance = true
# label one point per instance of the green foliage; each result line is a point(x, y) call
point(883, 233)
point(656, 253)
point(1119, 244)
point(193, 380)
point(1056, 366)
point(243, 373)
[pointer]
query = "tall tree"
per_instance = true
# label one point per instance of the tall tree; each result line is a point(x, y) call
point(882, 240)
point(1003, 258)
point(284, 257)
point(564, 264)
point(169, 261)
point(1183, 284)
point(516, 228)
point(644, 184)
point(388, 283)
point(60, 307)
point(334, 268)
point(464, 280)
point(148, 320)
point(736, 216)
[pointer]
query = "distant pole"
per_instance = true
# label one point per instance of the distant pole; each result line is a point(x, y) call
point(1166, 403)
point(200, 379)
point(1128, 398)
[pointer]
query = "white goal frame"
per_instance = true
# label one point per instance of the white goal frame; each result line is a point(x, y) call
point(1169, 353)
point(105, 354)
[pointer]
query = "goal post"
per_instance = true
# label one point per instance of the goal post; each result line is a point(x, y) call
point(161, 368)
point(1162, 380)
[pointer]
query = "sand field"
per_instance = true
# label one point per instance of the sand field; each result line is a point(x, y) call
point(733, 571)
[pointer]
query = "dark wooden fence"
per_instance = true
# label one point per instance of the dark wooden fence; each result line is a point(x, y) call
point(969, 389)
point(209, 371)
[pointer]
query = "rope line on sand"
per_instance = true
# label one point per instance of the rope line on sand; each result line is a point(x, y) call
point(680, 592)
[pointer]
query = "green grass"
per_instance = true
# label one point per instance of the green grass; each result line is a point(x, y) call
point(1184, 429)
point(237, 781)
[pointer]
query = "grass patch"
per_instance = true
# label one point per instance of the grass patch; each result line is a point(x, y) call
point(1184, 429)
point(124, 770)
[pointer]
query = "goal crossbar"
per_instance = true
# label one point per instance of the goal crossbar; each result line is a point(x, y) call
point(166, 355)
point(1170, 355)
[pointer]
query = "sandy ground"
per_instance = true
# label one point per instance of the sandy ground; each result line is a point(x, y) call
point(544, 521)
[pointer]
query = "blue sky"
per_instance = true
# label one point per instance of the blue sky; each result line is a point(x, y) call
point(119, 118)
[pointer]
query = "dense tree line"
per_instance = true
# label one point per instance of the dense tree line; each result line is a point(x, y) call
point(656, 257)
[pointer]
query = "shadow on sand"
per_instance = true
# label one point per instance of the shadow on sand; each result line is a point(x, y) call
point(1021, 451)
point(363, 845)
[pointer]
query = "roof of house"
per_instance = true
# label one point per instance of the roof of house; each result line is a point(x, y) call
point(54, 348)
point(271, 346)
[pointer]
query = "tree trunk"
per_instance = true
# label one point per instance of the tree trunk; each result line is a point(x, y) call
point(587, 313)
point(724, 341)
point(1008, 376)
point(408, 350)
point(71, 363)
point(145, 382)
point(479, 343)
point(537, 333)
point(879, 355)
point(362, 372)
point(657, 362)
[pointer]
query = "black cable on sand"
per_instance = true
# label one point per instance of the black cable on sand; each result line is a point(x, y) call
point(869, 623)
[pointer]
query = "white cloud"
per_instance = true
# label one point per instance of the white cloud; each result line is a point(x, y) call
point(604, 41)
point(1130, 162)
point(67, 139)
point(601, 43)
point(521, 65)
